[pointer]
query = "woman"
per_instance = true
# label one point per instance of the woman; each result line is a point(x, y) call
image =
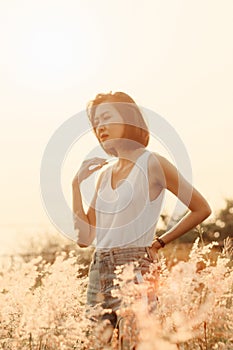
point(128, 198)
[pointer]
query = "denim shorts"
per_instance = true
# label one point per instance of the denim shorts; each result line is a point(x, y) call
point(102, 273)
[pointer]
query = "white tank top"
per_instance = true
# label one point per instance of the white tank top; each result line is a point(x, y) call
point(125, 216)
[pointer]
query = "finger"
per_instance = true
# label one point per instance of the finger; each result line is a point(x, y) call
point(99, 161)
point(96, 166)
point(95, 160)
point(93, 167)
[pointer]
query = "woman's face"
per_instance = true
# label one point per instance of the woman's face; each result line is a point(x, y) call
point(108, 124)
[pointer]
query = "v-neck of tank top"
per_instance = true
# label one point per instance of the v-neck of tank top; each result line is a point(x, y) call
point(122, 181)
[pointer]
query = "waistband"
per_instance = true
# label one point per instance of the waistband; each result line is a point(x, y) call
point(114, 252)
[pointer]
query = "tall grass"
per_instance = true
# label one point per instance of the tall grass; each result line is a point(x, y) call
point(43, 304)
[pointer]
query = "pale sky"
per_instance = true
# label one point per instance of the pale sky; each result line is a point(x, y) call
point(174, 57)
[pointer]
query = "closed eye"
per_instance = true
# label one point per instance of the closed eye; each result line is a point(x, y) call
point(104, 117)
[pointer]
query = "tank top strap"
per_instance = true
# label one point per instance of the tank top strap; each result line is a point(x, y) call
point(142, 163)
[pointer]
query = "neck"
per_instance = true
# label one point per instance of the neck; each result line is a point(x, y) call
point(125, 156)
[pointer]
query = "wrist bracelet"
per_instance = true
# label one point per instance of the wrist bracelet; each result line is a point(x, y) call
point(161, 242)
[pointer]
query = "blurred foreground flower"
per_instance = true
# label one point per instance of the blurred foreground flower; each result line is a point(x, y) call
point(187, 307)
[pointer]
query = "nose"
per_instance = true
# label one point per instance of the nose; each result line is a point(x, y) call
point(100, 128)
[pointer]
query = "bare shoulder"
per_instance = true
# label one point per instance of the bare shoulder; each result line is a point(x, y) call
point(156, 168)
point(156, 158)
point(167, 173)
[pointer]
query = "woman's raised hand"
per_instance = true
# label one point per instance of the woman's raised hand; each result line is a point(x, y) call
point(88, 167)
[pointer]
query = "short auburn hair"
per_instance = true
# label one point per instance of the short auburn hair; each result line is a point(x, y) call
point(135, 125)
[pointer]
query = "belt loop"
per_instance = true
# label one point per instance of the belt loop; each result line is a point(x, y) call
point(111, 257)
point(94, 257)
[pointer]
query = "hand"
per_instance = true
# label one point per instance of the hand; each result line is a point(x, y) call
point(88, 167)
point(154, 250)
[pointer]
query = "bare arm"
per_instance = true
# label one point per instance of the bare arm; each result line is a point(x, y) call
point(84, 223)
point(180, 187)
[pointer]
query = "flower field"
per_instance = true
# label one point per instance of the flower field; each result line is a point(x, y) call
point(43, 303)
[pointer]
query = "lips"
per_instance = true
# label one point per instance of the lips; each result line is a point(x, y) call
point(103, 136)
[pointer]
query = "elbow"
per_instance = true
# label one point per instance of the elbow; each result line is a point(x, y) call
point(83, 242)
point(83, 236)
point(81, 245)
point(206, 211)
